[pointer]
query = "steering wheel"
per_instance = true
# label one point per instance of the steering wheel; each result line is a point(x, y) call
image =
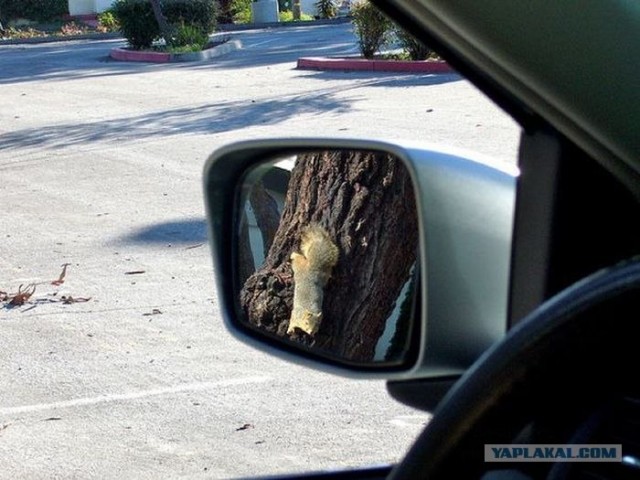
point(551, 380)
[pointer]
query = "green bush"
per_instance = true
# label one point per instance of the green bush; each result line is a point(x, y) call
point(108, 21)
point(40, 10)
point(139, 26)
point(240, 11)
point(414, 47)
point(287, 16)
point(327, 8)
point(371, 26)
point(137, 22)
point(198, 13)
point(189, 37)
point(225, 11)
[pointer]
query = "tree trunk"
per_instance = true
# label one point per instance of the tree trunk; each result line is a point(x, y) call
point(266, 212)
point(366, 202)
point(296, 9)
point(165, 30)
point(267, 216)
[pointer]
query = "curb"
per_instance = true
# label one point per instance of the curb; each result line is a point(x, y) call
point(363, 65)
point(126, 55)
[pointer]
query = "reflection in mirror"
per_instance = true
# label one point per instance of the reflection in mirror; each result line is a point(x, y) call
point(327, 253)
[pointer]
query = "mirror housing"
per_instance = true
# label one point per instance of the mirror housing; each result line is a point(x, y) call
point(465, 219)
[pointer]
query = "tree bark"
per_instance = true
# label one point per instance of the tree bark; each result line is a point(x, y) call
point(267, 216)
point(366, 202)
point(165, 30)
point(266, 212)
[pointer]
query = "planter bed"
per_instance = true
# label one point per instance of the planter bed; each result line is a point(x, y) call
point(375, 65)
point(215, 50)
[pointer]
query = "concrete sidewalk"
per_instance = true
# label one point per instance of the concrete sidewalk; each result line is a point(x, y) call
point(101, 167)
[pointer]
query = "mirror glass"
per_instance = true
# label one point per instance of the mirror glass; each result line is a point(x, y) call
point(327, 254)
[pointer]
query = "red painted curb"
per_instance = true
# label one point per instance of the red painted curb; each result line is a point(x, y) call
point(134, 56)
point(360, 64)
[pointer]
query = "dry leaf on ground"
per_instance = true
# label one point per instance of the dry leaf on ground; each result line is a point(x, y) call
point(60, 279)
point(22, 296)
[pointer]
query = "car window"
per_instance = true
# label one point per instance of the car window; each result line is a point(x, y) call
point(114, 362)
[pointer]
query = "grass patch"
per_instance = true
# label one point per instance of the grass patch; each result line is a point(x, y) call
point(287, 16)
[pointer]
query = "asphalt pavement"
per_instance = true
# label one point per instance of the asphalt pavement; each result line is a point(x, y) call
point(100, 169)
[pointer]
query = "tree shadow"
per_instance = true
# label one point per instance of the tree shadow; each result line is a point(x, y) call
point(203, 119)
point(178, 231)
point(384, 79)
point(64, 61)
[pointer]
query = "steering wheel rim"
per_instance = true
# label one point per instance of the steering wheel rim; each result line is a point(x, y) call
point(493, 398)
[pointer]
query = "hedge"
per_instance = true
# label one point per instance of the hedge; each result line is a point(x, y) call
point(38, 10)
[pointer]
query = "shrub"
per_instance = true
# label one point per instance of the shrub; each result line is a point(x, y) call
point(414, 47)
point(241, 11)
point(137, 22)
point(287, 16)
point(72, 28)
point(198, 13)
point(40, 10)
point(139, 26)
point(225, 11)
point(327, 8)
point(371, 26)
point(12, 32)
point(189, 37)
point(108, 22)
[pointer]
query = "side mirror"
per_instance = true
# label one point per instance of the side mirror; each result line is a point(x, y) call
point(327, 252)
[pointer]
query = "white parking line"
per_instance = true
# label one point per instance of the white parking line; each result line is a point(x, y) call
point(118, 397)
point(411, 421)
point(259, 44)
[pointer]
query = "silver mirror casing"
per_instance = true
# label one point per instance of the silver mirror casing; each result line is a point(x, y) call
point(465, 220)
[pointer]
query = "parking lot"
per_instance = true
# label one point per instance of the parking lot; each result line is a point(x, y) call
point(100, 169)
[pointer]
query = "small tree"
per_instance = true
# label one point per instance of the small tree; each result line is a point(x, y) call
point(165, 30)
point(371, 27)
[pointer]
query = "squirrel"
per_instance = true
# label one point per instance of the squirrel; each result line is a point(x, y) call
point(311, 272)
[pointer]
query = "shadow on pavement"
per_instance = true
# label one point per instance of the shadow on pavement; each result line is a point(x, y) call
point(383, 79)
point(179, 231)
point(209, 119)
point(63, 61)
